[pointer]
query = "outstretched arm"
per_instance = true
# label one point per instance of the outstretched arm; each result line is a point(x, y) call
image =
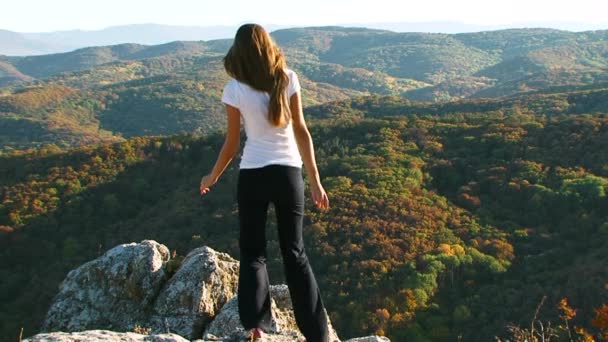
point(229, 149)
point(306, 148)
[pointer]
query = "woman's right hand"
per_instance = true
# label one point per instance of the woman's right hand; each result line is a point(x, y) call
point(319, 196)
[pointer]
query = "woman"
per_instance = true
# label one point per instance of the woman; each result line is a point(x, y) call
point(266, 94)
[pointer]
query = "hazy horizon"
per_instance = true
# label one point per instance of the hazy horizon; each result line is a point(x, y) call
point(40, 43)
point(35, 16)
point(33, 27)
point(430, 26)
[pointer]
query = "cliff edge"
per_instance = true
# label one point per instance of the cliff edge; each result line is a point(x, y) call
point(137, 292)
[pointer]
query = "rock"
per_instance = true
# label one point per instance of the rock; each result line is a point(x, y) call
point(369, 339)
point(227, 322)
point(110, 336)
point(129, 285)
point(112, 291)
point(204, 282)
point(103, 336)
point(240, 337)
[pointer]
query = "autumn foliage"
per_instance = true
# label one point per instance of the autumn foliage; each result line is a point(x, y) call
point(601, 320)
point(440, 225)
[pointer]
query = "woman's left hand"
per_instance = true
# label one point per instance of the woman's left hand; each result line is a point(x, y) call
point(319, 196)
point(206, 182)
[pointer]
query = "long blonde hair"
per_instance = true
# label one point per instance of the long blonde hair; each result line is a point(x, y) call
point(256, 60)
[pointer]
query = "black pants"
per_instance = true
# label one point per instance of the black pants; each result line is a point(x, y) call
point(284, 187)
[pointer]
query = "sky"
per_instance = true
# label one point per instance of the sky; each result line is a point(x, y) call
point(56, 15)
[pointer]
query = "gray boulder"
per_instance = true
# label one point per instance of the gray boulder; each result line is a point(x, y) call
point(227, 323)
point(103, 336)
point(131, 285)
point(205, 281)
point(369, 339)
point(112, 291)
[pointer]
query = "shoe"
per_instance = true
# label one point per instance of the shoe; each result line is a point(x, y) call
point(255, 334)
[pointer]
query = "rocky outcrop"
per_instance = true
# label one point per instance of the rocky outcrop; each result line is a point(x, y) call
point(130, 285)
point(136, 287)
point(113, 291)
point(227, 324)
point(111, 336)
point(205, 281)
point(103, 336)
point(369, 339)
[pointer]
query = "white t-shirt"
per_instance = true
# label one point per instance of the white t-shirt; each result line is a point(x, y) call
point(265, 144)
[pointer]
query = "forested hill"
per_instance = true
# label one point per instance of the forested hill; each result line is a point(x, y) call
point(440, 227)
point(447, 66)
point(554, 101)
point(104, 94)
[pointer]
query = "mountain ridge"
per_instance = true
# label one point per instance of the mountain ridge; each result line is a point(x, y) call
point(36, 43)
point(132, 89)
point(511, 59)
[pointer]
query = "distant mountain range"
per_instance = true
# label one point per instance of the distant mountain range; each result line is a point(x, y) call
point(23, 44)
point(108, 93)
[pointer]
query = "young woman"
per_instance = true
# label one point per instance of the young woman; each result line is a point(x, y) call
point(266, 94)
